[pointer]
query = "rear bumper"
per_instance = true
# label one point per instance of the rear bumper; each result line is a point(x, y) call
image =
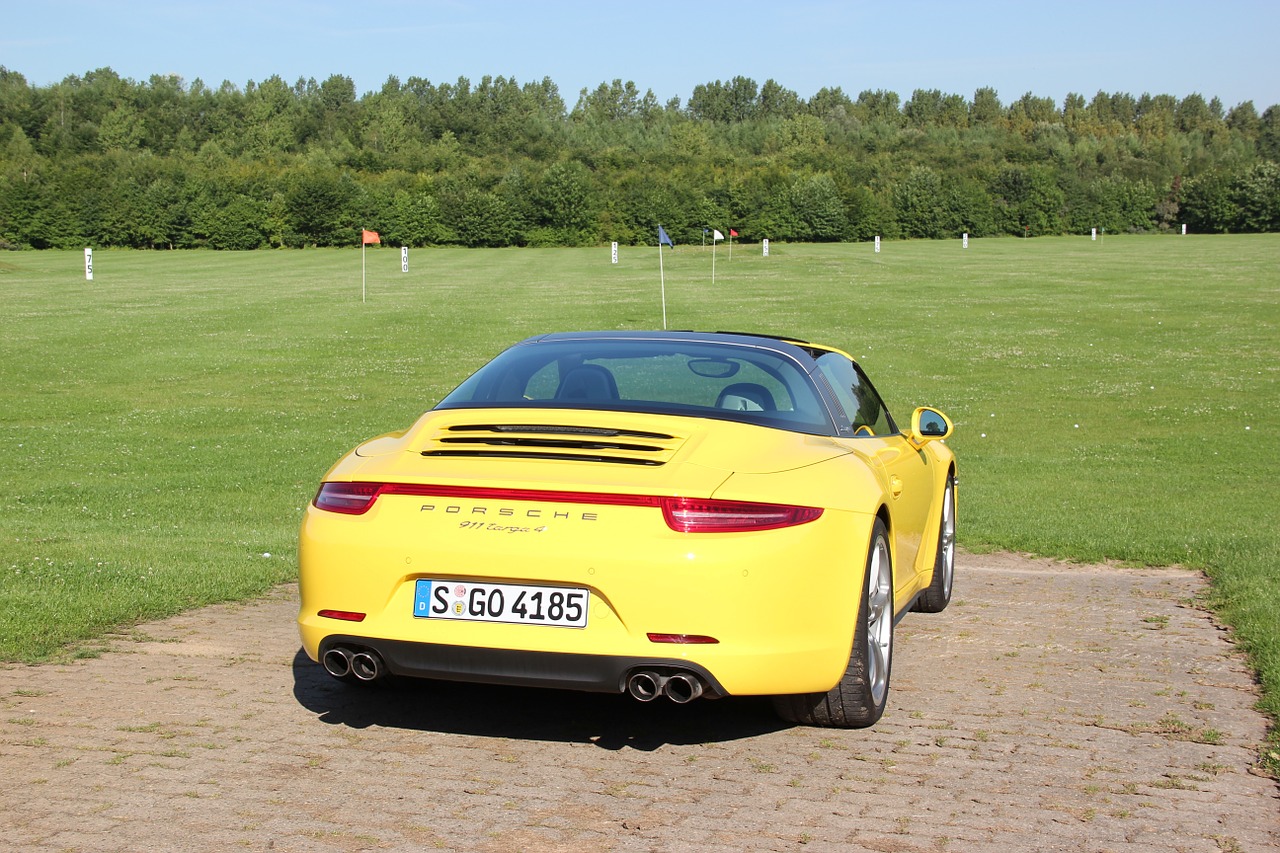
point(520, 668)
point(781, 604)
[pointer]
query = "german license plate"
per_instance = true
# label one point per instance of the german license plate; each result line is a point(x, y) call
point(517, 604)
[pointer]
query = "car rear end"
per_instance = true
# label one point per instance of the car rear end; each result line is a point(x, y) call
point(602, 551)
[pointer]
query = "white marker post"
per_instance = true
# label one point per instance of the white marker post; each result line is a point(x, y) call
point(404, 259)
point(766, 247)
point(877, 244)
point(1094, 237)
point(1184, 229)
point(964, 241)
point(615, 251)
point(88, 264)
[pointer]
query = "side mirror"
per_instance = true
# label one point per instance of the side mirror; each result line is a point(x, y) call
point(930, 425)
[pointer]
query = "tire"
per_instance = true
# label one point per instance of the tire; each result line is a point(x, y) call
point(859, 698)
point(936, 598)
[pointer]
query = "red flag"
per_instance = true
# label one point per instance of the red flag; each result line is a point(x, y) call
point(733, 233)
point(370, 237)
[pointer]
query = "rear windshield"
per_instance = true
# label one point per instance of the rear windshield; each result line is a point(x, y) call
point(724, 381)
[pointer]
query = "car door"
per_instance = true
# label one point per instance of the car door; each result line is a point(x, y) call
point(906, 467)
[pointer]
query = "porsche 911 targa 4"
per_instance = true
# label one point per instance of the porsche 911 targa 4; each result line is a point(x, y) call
point(664, 514)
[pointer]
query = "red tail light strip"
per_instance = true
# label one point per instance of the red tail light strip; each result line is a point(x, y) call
point(688, 515)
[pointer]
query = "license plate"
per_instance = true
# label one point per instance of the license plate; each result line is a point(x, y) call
point(517, 604)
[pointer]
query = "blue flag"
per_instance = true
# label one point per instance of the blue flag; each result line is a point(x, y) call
point(663, 238)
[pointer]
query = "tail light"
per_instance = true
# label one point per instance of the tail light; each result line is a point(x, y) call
point(690, 515)
point(349, 498)
point(687, 515)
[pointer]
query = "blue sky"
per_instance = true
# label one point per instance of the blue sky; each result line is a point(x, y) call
point(1224, 49)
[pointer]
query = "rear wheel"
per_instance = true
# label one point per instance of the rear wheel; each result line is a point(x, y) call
point(936, 598)
point(859, 698)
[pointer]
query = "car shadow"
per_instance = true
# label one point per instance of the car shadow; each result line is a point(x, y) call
point(610, 721)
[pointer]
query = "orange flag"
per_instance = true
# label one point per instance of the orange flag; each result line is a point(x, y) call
point(370, 237)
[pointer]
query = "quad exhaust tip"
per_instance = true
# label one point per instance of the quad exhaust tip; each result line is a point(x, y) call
point(337, 662)
point(364, 664)
point(683, 687)
point(680, 687)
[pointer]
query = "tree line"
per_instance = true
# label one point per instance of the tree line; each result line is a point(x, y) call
point(102, 160)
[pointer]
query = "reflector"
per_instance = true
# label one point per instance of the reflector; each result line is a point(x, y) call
point(683, 639)
point(344, 615)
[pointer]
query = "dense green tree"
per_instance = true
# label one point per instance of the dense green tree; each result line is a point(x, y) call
point(734, 101)
point(564, 202)
point(1256, 197)
point(880, 106)
point(864, 214)
point(777, 102)
point(1243, 118)
point(317, 200)
point(1193, 114)
point(157, 164)
point(236, 224)
point(1028, 202)
point(968, 209)
point(986, 108)
point(918, 204)
point(924, 108)
point(1269, 134)
point(799, 136)
point(413, 219)
point(1207, 203)
point(163, 105)
point(1156, 114)
point(18, 103)
point(1116, 204)
point(121, 129)
point(818, 210)
point(479, 218)
point(615, 101)
point(831, 105)
point(1027, 114)
point(1075, 114)
point(271, 119)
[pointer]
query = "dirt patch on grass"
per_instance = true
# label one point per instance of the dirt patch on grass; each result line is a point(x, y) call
point(1052, 707)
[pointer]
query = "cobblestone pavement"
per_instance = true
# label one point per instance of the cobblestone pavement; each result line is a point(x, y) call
point(1052, 707)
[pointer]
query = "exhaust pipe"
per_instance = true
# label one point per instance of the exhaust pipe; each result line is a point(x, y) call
point(683, 687)
point(646, 686)
point(366, 665)
point(337, 662)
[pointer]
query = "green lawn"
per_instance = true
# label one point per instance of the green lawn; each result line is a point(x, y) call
point(164, 425)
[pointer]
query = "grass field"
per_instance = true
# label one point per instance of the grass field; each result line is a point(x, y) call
point(165, 424)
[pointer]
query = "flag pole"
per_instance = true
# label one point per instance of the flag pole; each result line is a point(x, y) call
point(366, 237)
point(716, 237)
point(662, 278)
point(662, 275)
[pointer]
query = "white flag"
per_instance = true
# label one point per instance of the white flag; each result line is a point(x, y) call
point(716, 235)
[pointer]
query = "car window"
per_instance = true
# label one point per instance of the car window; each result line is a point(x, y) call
point(733, 383)
point(864, 410)
point(672, 378)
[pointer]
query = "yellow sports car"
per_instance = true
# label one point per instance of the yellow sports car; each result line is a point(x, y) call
point(671, 514)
